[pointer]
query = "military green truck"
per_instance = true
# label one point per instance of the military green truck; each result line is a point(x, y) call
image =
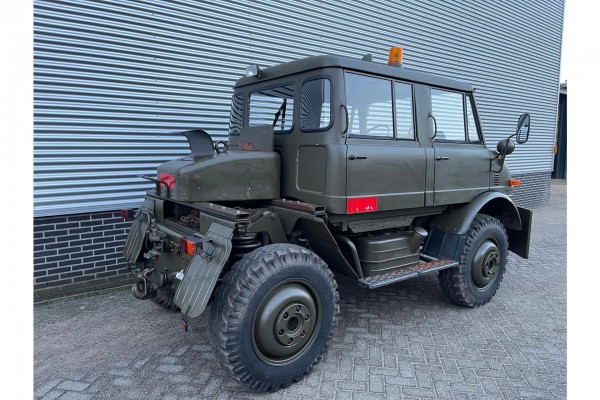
point(371, 171)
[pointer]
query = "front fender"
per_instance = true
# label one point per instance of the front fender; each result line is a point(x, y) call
point(495, 204)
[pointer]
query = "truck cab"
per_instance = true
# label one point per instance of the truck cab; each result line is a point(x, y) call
point(362, 137)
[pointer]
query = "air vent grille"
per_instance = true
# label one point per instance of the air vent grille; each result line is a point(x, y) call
point(496, 179)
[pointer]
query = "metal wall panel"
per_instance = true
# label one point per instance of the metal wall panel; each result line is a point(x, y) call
point(113, 77)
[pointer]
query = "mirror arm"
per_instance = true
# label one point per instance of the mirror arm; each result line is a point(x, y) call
point(502, 158)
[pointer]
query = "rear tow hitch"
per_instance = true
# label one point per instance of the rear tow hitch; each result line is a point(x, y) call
point(148, 282)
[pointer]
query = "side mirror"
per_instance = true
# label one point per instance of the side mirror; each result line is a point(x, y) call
point(505, 147)
point(523, 127)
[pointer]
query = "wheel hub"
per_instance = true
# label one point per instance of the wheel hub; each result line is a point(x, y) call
point(285, 323)
point(486, 264)
point(292, 325)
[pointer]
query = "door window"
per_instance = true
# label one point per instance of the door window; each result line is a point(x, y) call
point(447, 108)
point(471, 126)
point(404, 111)
point(369, 103)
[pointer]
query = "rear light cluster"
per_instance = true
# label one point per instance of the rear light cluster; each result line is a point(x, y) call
point(168, 179)
point(190, 245)
point(127, 214)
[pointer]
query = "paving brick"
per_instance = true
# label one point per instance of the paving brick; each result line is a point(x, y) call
point(401, 341)
point(73, 386)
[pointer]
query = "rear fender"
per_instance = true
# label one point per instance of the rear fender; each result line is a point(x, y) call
point(201, 275)
point(324, 245)
point(137, 232)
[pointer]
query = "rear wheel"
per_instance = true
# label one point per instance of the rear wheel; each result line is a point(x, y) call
point(482, 264)
point(273, 316)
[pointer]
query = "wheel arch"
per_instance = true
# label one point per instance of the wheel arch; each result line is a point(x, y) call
point(495, 204)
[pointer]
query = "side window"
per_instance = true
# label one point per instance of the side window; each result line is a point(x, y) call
point(274, 106)
point(404, 111)
point(471, 126)
point(447, 108)
point(315, 110)
point(237, 114)
point(369, 103)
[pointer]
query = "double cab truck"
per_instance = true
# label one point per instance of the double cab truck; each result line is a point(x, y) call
point(372, 171)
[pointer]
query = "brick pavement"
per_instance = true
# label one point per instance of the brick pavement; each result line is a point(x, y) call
point(406, 341)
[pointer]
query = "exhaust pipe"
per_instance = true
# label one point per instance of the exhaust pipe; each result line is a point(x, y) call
point(417, 238)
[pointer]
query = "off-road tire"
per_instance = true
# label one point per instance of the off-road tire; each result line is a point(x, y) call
point(240, 299)
point(458, 283)
point(165, 297)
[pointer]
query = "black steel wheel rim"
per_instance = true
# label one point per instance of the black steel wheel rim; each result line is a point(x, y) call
point(486, 264)
point(287, 322)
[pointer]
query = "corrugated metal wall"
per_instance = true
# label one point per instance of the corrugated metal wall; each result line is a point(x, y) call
point(111, 77)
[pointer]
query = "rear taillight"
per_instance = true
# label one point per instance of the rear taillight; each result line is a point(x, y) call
point(168, 179)
point(189, 245)
point(127, 214)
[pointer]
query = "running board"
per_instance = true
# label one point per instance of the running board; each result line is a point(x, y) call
point(403, 274)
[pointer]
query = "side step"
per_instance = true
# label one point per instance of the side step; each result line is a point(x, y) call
point(403, 274)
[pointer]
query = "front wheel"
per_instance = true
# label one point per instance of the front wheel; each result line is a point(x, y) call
point(482, 264)
point(273, 316)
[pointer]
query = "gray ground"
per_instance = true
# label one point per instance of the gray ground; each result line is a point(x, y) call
point(404, 341)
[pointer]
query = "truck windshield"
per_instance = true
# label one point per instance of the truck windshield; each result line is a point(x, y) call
point(273, 106)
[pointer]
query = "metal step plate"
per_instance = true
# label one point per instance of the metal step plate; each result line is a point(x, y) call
point(403, 274)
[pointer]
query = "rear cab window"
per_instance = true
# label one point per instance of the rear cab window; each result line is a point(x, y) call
point(315, 105)
point(273, 106)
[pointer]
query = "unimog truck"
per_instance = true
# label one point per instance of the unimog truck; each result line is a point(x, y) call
point(371, 171)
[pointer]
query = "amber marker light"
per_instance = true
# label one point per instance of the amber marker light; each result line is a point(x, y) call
point(514, 182)
point(395, 56)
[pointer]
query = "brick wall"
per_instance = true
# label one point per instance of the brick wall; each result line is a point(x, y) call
point(78, 253)
point(534, 189)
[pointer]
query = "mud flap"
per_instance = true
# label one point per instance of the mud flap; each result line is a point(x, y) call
point(518, 241)
point(201, 275)
point(137, 232)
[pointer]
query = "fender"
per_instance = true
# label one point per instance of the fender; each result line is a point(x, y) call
point(449, 229)
point(496, 204)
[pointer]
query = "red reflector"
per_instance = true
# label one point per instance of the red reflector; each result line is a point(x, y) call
point(361, 204)
point(168, 178)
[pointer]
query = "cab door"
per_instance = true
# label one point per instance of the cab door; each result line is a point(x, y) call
point(385, 164)
point(461, 161)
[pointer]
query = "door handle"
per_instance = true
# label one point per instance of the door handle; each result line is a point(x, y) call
point(440, 158)
point(353, 157)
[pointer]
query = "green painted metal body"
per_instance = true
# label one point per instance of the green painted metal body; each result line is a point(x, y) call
point(233, 175)
point(384, 252)
point(238, 192)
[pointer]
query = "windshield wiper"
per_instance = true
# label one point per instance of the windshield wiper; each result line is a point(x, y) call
point(281, 112)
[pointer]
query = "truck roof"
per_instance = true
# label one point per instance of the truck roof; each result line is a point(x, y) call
point(316, 62)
